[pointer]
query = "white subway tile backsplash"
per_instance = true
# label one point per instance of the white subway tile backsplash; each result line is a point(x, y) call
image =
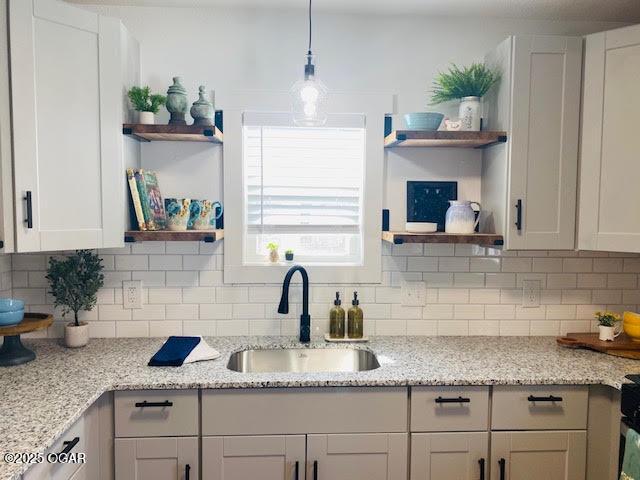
point(471, 290)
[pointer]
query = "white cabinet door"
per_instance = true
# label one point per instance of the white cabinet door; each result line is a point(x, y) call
point(272, 457)
point(538, 455)
point(6, 176)
point(66, 77)
point(543, 156)
point(450, 456)
point(609, 212)
point(165, 458)
point(374, 456)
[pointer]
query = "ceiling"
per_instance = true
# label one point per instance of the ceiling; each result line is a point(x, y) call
point(627, 11)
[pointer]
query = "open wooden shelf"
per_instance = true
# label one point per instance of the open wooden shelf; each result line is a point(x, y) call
point(207, 236)
point(427, 138)
point(487, 239)
point(173, 133)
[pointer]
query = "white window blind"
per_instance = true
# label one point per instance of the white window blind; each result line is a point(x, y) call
point(303, 187)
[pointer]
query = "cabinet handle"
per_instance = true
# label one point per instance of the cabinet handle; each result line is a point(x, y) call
point(68, 446)
point(315, 470)
point(502, 463)
point(481, 463)
point(187, 471)
point(519, 214)
point(297, 470)
point(550, 398)
point(452, 400)
point(166, 403)
point(29, 219)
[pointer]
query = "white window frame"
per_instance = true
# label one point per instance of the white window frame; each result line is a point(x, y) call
point(374, 107)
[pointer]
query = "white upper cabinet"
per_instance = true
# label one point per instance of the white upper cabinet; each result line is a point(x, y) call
point(529, 184)
point(609, 208)
point(66, 76)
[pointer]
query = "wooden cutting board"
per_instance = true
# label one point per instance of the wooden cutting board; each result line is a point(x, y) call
point(622, 346)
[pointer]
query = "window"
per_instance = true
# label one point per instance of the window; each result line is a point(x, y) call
point(303, 188)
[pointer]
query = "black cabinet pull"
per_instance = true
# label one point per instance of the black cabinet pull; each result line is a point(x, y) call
point(29, 219)
point(297, 470)
point(187, 471)
point(315, 470)
point(481, 463)
point(452, 400)
point(68, 446)
point(519, 214)
point(550, 398)
point(502, 463)
point(166, 403)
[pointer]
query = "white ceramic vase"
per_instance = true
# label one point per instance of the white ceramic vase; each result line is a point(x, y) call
point(469, 114)
point(608, 334)
point(76, 335)
point(460, 217)
point(146, 118)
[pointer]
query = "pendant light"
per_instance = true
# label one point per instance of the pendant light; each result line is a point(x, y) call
point(309, 94)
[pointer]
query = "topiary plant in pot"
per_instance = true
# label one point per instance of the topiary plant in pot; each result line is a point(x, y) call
point(74, 282)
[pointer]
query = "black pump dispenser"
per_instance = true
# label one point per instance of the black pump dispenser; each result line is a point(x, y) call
point(337, 301)
point(355, 300)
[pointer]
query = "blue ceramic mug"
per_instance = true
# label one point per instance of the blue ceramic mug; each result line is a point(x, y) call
point(203, 214)
point(178, 213)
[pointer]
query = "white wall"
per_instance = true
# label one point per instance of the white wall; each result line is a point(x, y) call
point(239, 50)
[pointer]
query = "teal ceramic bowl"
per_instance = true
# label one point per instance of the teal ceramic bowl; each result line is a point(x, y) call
point(10, 305)
point(11, 318)
point(423, 120)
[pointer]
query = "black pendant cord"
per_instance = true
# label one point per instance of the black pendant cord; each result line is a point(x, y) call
point(309, 49)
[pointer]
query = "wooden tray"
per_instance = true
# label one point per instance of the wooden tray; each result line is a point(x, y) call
point(30, 323)
point(622, 346)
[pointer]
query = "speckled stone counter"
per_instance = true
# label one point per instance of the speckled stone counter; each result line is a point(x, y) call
point(42, 399)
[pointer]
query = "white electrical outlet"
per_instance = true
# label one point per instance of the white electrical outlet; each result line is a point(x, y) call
point(413, 294)
point(531, 293)
point(132, 294)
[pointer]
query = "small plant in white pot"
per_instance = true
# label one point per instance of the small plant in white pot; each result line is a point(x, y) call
point(467, 84)
point(74, 282)
point(146, 104)
point(608, 325)
point(274, 256)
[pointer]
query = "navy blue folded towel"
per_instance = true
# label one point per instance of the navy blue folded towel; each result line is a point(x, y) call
point(174, 351)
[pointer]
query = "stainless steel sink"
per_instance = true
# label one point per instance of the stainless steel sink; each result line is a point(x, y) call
point(303, 360)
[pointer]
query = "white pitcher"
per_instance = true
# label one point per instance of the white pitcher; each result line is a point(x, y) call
point(460, 217)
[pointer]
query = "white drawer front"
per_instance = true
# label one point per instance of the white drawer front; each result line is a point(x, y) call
point(449, 409)
point(540, 408)
point(156, 413)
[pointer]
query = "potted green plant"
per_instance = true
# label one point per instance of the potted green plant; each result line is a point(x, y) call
point(467, 84)
point(146, 103)
point(288, 255)
point(274, 257)
point(74, 282)
point(608, 325)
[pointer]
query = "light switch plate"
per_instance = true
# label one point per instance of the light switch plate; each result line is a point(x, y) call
point(531, 293)
point(132, 294)
point(413, 294)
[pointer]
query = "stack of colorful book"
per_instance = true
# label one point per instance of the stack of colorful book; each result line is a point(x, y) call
point(146, 199)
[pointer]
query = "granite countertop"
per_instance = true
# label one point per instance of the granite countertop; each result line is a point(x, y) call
point(40, 400)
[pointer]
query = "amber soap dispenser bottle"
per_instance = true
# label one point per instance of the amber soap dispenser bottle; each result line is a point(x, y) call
point(336, 319)
point(355, 324)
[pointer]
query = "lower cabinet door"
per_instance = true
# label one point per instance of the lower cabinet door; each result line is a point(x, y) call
point(166, 458)
point(375, 456)
point(450, 456)
point(268, 457)
point(536, 455)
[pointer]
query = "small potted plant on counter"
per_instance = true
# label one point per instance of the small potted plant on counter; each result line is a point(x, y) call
point(608, 325)
point(74, 283)
point(467, 84)
point(274, 257)
point(146, 104)
point(288, 255)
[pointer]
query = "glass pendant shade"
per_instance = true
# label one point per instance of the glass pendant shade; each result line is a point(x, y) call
point(309, 97)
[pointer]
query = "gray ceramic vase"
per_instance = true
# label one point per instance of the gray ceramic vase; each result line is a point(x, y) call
point(177, 103)
point(202, 109)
